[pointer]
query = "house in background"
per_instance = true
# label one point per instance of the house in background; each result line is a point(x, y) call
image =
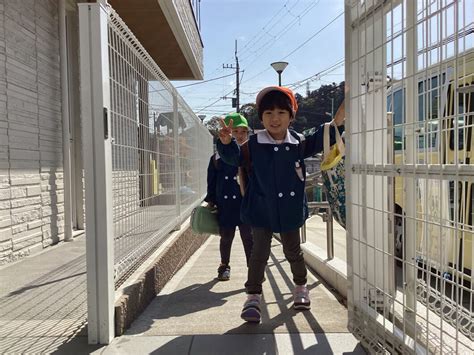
point(41, 162)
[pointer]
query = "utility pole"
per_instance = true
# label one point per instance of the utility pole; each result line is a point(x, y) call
point(235, 103)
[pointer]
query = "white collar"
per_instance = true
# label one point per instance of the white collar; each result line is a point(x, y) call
point(263, 137)
point(217, 155)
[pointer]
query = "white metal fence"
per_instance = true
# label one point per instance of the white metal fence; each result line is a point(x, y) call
point(146, 158)
point(160, 150)
point(410, 75)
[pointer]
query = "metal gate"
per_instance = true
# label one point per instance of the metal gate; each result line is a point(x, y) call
point(146, 156)
point(410, 79)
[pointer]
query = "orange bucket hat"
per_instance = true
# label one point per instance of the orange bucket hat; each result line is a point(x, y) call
point(284, 90)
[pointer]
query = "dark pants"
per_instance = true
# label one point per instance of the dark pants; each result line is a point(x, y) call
point(262, 240)
point(227, 236)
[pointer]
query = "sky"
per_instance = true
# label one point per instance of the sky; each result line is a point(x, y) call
point(308, 34)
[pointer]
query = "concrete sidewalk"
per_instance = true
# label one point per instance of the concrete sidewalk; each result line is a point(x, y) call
point(43, 310)
point(43, 300)
point(196, 314)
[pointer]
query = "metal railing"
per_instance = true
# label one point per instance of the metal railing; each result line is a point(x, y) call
point(160, 150)
point(313, 181)
point(147, 155)
point(409, 175)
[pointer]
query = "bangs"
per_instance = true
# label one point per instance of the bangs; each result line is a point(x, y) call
point(275, 99)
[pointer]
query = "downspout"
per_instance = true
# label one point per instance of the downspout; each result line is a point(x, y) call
point(65, 122)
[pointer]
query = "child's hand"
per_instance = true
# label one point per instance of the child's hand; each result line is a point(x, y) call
point(225, 133)
point(340, 115)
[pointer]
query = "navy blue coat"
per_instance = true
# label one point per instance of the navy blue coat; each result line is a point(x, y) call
point(223, 190)
point(275, 196)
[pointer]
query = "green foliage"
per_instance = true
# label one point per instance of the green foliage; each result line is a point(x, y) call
point(251, 114)
point(313, 110)
point(317, 106)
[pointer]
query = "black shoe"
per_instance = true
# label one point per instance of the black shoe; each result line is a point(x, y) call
point(223, 273)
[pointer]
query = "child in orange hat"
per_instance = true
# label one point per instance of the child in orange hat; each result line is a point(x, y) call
point(274, 200)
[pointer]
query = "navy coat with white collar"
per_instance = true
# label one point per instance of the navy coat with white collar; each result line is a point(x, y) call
point(223, 190)
point(275, 197)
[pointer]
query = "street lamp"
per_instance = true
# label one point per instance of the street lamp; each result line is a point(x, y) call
point(279, 67)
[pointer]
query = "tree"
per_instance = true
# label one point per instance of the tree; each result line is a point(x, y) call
point(213, 125)
point(251, 114)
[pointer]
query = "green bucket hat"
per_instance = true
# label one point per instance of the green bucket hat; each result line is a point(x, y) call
point(237, 119)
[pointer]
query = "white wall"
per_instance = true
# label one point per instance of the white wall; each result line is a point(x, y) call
point(31, 187)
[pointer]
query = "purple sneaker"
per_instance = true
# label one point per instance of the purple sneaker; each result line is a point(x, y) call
point(301, 299)
point(251, 310)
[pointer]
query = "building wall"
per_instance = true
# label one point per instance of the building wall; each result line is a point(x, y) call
point(31, 186)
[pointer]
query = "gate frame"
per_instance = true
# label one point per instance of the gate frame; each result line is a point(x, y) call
point(95, 105)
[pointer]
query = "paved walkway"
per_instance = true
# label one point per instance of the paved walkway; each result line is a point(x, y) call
point(196, 314)
point(43, 310)
point(43, 300)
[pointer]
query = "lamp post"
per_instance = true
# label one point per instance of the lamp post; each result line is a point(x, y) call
point(279, 67)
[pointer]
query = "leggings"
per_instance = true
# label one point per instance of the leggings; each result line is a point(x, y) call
point(262, 238)
point(227, 237)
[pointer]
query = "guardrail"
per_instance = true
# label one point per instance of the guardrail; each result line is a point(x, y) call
point(315, 181)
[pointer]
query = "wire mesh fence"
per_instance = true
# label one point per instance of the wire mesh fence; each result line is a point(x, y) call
point(160, 151)
point(410, 69)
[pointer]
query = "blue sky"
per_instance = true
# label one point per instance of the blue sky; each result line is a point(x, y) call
point(267, 31)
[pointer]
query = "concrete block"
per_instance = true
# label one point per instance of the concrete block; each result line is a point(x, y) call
point(31, 201)
point(19, 228)
point(334, 271)
point(25, 214)
point(18, 192)
point(142, 287)
point(5, 234)
point(35, 224)
point(33, 190)
point(27, 239)
point(5, 194)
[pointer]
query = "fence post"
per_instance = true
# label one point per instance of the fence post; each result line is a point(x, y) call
point(177, 163)
point(95, 105)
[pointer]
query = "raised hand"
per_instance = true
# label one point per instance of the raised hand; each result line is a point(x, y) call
point(225, 133)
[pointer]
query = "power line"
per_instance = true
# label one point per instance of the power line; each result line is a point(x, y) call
point(316, 76)
point(257, 37)
point(203, 81)
point(219, 99)
point(314, 35)
point(301, 45)
point(283, 31)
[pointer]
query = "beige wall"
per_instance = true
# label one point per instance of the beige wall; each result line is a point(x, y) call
point(31, 186)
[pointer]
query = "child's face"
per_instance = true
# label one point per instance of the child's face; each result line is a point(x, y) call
point(240, 134)
point(276, 121)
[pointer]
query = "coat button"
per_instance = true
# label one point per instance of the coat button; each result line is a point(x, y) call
point(225, 197)
point(287, 148)
point(292, 193)
point(275, 149)
point(235, 177)
point(227, 178)
point(234, 197)
point(280, 195)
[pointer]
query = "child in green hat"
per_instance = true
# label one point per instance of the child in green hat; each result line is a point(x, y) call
point(223, 191)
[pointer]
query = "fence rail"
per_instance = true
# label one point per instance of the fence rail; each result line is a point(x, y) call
point(410, 192)
point(160, 150)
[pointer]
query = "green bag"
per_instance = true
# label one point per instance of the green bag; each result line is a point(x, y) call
point(204, 220)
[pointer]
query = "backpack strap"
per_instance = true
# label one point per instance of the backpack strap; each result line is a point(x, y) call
point(246, 168)
point(214, 160)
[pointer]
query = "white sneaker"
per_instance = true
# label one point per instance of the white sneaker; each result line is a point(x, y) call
point(301, 299)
